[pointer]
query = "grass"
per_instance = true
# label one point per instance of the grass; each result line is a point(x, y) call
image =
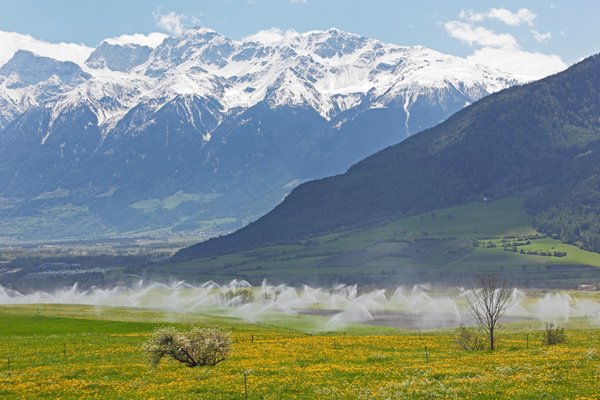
point(69, 352)
point(575, 255)
point(73, 221)
point(499, 218)
point(173, 201)
point(424, 247)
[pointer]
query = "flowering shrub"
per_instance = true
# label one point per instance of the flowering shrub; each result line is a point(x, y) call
point(196, 347)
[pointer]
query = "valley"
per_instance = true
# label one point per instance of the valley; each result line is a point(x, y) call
point(446, 247)
point(203, 134)
point(252, 199)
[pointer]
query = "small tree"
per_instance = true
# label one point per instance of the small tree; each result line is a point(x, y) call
point(553, 334)
point(487, 303)
point(195, 347)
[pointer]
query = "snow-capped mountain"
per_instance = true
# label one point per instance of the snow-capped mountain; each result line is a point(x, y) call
point(28, 80)
point(118, 57)
point(202, 126)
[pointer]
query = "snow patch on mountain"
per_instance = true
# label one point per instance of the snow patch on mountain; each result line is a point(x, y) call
point(329, 71)
point(118, 57)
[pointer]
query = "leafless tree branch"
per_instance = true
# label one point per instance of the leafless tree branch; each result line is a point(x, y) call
point(487, 303)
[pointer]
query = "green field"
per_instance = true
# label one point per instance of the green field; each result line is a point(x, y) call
point(173, 201)
point(74, 352)
point(429, 247)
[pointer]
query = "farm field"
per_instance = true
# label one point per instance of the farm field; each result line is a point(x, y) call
point(73, 352)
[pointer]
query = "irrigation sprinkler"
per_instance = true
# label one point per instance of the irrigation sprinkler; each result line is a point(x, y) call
point(245, 386)
point(8, 362)
point(426, 355)
point(347, 304)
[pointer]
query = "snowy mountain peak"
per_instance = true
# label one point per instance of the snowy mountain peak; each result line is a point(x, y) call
point(329, 71)
point(331, 43)
point(26, 69)
point(201, 44)
point(144, 122)
point(118, 57)
point(200, 31)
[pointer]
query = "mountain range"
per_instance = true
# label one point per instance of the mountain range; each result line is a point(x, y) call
point(203, 133)
point(539, 141)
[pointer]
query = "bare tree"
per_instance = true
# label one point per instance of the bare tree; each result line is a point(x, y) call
point(487, 303)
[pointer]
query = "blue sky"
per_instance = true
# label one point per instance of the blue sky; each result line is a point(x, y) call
point(565, 31)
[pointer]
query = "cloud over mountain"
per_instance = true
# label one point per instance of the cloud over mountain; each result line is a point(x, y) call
point(503, 50)
point(12, 41)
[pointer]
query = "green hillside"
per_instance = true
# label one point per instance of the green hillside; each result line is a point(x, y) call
point(540, 141)
point(449, 244)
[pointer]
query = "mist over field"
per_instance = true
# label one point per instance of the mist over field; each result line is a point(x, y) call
point(414, 307)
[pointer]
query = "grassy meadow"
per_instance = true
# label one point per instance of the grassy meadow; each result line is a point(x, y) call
point(74, 352)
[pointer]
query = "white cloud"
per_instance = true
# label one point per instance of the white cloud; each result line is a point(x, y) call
point(270, 36)
point(170, 22)
point(478, 35)
point(298, 1)
point(522, 16)
point(12, 41)
point(151, 40)
point(502, 50)
point(541, 37)
point(523, 64)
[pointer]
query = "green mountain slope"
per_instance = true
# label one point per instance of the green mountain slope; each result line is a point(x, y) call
point(540, 141)
point(448, 245)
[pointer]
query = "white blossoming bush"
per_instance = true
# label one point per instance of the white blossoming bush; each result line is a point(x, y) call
point(195, 347)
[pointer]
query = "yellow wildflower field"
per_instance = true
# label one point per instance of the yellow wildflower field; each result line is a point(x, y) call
point(74, 358)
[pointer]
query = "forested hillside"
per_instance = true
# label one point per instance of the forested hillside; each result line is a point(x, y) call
point(539, 140)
